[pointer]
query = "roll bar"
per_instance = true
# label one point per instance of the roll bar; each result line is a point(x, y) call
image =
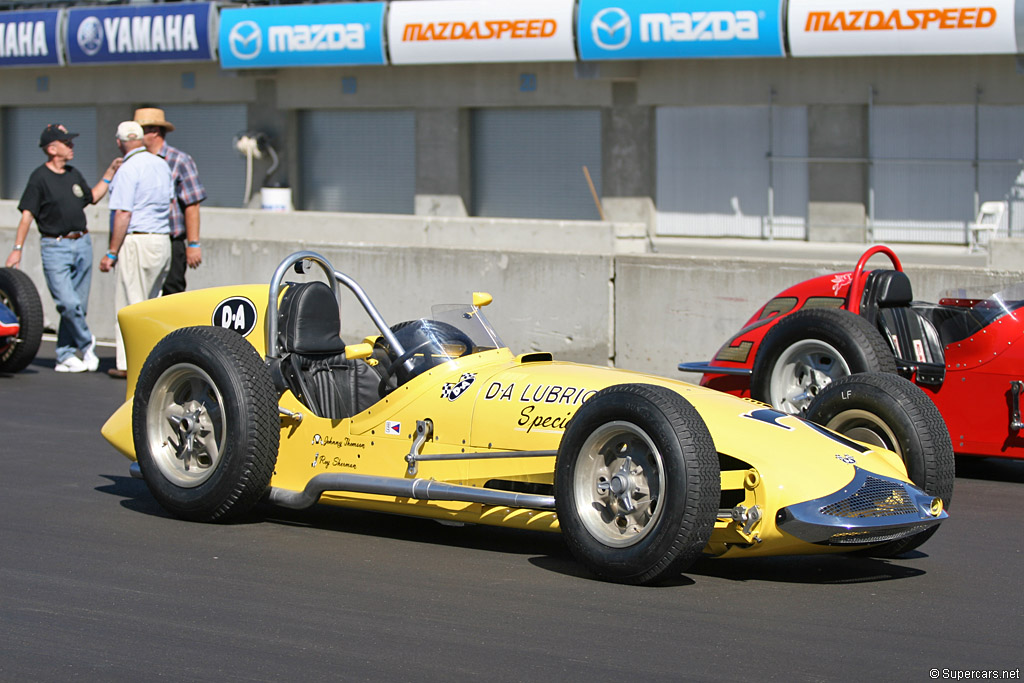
point(302, 262)
point(856, 286)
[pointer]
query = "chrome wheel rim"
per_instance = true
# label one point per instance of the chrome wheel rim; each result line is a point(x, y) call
point(185, 425)
point(802, 372)
point(867, 428)
point(618, 484)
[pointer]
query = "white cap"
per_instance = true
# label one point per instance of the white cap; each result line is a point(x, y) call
point(129, 130)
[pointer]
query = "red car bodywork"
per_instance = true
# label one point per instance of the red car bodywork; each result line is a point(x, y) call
point(979, 394)
point(9, 327)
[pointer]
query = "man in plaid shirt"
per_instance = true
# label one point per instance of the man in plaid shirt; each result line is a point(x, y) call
point(188, 192)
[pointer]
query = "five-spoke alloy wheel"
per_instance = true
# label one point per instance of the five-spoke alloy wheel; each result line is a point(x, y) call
point(206, 424)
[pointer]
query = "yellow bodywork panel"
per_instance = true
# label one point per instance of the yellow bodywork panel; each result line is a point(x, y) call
point(510, 404)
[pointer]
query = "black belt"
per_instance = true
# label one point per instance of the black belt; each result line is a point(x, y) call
point(74, 235)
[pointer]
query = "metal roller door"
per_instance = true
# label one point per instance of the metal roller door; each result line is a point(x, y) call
point(358, 161)
point(1000, 170)
point(935, 164)
point(922, 178)
point(723, 171)
point(528, 163)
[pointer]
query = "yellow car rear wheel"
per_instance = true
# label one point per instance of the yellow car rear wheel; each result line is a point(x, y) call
point(205, 424)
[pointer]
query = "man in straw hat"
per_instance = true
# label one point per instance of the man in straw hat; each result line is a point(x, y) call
point(188, 193)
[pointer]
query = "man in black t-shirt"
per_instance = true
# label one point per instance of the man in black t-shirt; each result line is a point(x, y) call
point(55, 197)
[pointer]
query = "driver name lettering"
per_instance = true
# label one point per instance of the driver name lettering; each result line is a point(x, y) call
point(331, 441)
point(324, 461)
point(541, 393)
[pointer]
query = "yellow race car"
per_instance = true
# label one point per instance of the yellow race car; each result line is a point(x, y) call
point(236, 394)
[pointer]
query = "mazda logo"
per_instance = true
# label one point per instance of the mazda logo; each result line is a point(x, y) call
point(245, 40)
point(611, 29)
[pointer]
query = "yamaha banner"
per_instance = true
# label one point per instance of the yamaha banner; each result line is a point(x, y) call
point(302, 35)
point(666, 29)
point(30, 38)
point(179, 32)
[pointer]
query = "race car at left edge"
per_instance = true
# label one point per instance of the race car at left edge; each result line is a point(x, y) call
point(242, 394)
point(21, 320)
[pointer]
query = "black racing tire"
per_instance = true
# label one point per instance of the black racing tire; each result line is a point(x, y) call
point(890, 411)
point(807, 350)
point(673, 488)
point(18, 293)
point(205, 424)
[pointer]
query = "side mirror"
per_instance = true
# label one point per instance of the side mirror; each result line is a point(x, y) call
point(481, 299)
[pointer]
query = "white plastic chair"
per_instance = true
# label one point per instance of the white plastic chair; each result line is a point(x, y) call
point(990, 216)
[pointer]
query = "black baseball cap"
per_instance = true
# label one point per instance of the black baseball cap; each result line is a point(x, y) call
point(54, 132)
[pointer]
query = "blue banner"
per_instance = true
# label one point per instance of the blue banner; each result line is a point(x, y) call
point(668, 29)
point(29, 38)
point(179, 32)
point(302, 35)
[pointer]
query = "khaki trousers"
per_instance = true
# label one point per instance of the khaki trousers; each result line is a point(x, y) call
point(141, 268)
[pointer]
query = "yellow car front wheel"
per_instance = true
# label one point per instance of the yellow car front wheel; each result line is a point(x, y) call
point(637, 484)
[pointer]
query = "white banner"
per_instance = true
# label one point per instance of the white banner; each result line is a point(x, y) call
point(450, 31)
point(821, 28)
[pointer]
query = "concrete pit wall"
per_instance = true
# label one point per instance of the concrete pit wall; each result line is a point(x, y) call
point(559, 302)
point(577, 289)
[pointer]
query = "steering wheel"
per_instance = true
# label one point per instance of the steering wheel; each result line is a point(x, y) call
point(440, 333)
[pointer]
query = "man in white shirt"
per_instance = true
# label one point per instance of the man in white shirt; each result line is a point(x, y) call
point(140, 199)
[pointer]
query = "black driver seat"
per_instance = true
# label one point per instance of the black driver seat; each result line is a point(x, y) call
point(313, 364)
point(887, 304)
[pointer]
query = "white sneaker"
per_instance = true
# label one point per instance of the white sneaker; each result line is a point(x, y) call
point(89, 357)
point(71, 364)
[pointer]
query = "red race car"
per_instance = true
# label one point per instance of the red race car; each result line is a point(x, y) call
point(967, 354)
point(21, 320)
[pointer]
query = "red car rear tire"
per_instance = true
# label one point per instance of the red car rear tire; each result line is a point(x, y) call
point(807, 350)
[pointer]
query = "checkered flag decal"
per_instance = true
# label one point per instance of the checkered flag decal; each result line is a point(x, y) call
point(452, 390)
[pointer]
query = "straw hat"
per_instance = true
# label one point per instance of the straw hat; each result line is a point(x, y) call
point(151, 116)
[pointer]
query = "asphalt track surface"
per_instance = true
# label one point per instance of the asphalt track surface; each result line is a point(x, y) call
point(97, 583)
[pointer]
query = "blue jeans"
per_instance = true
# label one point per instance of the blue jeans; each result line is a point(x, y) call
point(67, 265)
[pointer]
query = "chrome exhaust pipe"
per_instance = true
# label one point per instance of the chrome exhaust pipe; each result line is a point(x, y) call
point(418, 489)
